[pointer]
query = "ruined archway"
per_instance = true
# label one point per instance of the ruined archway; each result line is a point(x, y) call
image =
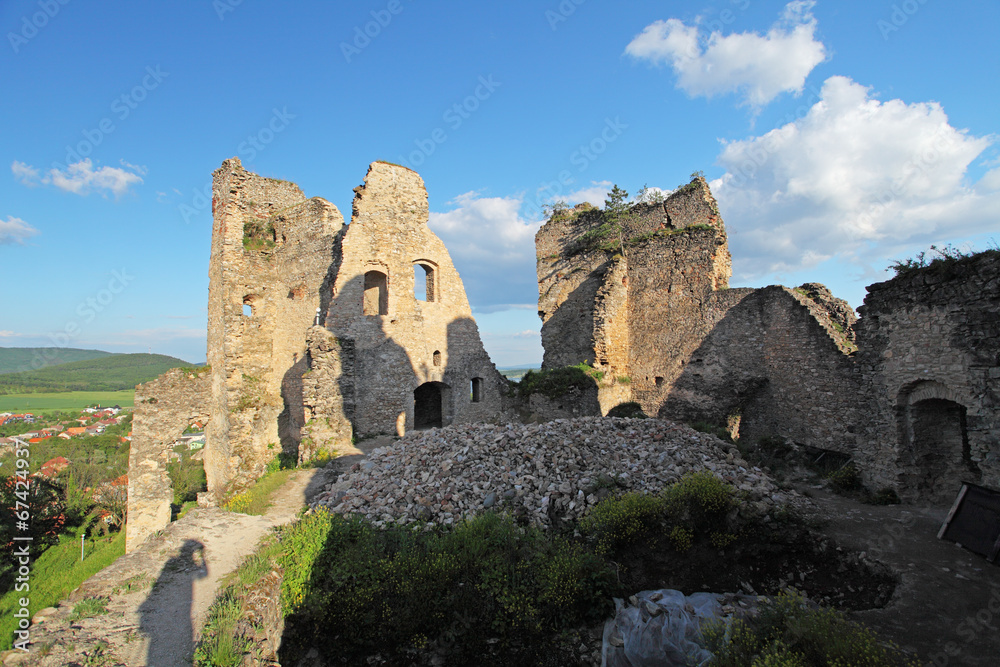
point(429, 405)
point(934, 448)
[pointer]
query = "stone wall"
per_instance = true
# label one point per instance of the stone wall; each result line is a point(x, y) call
point(929, 358)
point(409, 349)
point(274, 253)
point(383, 358)
point(656, 312)
point(164, 408)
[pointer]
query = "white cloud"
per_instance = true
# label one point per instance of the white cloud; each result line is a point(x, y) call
point(595, 194)
point(82, 178)
point(24, 173)
point(852, 178)
point(15, 230)
point(759, 67)
point(488, 228)
point(493, 247)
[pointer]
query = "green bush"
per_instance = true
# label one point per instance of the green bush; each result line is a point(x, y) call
point(788, 632)
point(352, 589)
point(692, 508)
point(699, 501)
point(557, 382)
point(617, 522)
point(187, 476)
point(846, 479)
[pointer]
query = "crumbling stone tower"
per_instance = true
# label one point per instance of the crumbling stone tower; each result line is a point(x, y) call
point(398, 348)
point(273, 251)
point(648, 303)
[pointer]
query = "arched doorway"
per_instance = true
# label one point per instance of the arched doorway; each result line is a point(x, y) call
point(428, 405)
point(935, 457)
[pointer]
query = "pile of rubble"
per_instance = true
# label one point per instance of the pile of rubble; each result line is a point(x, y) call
point(553, 470)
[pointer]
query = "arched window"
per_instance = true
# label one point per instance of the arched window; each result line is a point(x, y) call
point(477, 390)
point(376, 293)
point(424, 288)
point(437, 357)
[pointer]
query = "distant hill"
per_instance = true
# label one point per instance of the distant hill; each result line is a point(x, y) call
point(113, 372)
point(14, 359)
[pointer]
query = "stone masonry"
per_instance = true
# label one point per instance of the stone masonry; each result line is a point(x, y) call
point(274, 253)
point(929, 359)
point(913, 400)
point(654, 313)
point(390, 353)
point(408, 351)
point(164, 408)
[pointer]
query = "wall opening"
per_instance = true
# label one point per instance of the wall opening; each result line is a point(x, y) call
point(659, 381)
point(437, 357)
point(376, 300)
point(477, 390)
point(248, 305)
point(424, 282)
point(428, 405)
point(939, 449)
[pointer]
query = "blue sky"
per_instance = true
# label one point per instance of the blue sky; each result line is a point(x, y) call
point(837, 136)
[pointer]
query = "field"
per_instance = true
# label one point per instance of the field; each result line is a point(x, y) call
point(68, 400)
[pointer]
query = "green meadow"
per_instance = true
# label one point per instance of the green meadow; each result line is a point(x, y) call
point(67, 400)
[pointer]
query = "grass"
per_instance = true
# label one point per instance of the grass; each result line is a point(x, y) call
point(490, 591)
point(57, 572)
point(220, 645)
point(257, 499)
point(63, 401)
point(89, 608)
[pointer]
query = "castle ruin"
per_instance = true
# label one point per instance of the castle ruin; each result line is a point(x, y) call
point(645, 300)
point(321, 332)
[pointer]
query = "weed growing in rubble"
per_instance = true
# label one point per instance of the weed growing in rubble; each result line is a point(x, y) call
point(791, 633)
point(695, 506)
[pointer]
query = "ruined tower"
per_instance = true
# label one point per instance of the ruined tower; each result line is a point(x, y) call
point(396, 347)
point(273, 251)
point(645, 299)
point(398, 333)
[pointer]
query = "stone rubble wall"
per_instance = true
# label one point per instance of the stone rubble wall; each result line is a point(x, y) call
point(164, 408)
point(658, 318)
point(394, 353)
point(258, 360)
point(933, 333)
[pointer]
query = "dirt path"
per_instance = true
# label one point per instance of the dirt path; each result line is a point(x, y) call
point(160, 594)
point(946, 608)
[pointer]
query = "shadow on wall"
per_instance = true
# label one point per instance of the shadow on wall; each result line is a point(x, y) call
point(165, 616)
point(292, 418)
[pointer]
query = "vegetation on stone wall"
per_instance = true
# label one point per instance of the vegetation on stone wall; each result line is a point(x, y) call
point(556, 382)
point(258, 234)
point(939, 261)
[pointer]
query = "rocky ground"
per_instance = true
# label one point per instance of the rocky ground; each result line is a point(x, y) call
point(547, 471)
